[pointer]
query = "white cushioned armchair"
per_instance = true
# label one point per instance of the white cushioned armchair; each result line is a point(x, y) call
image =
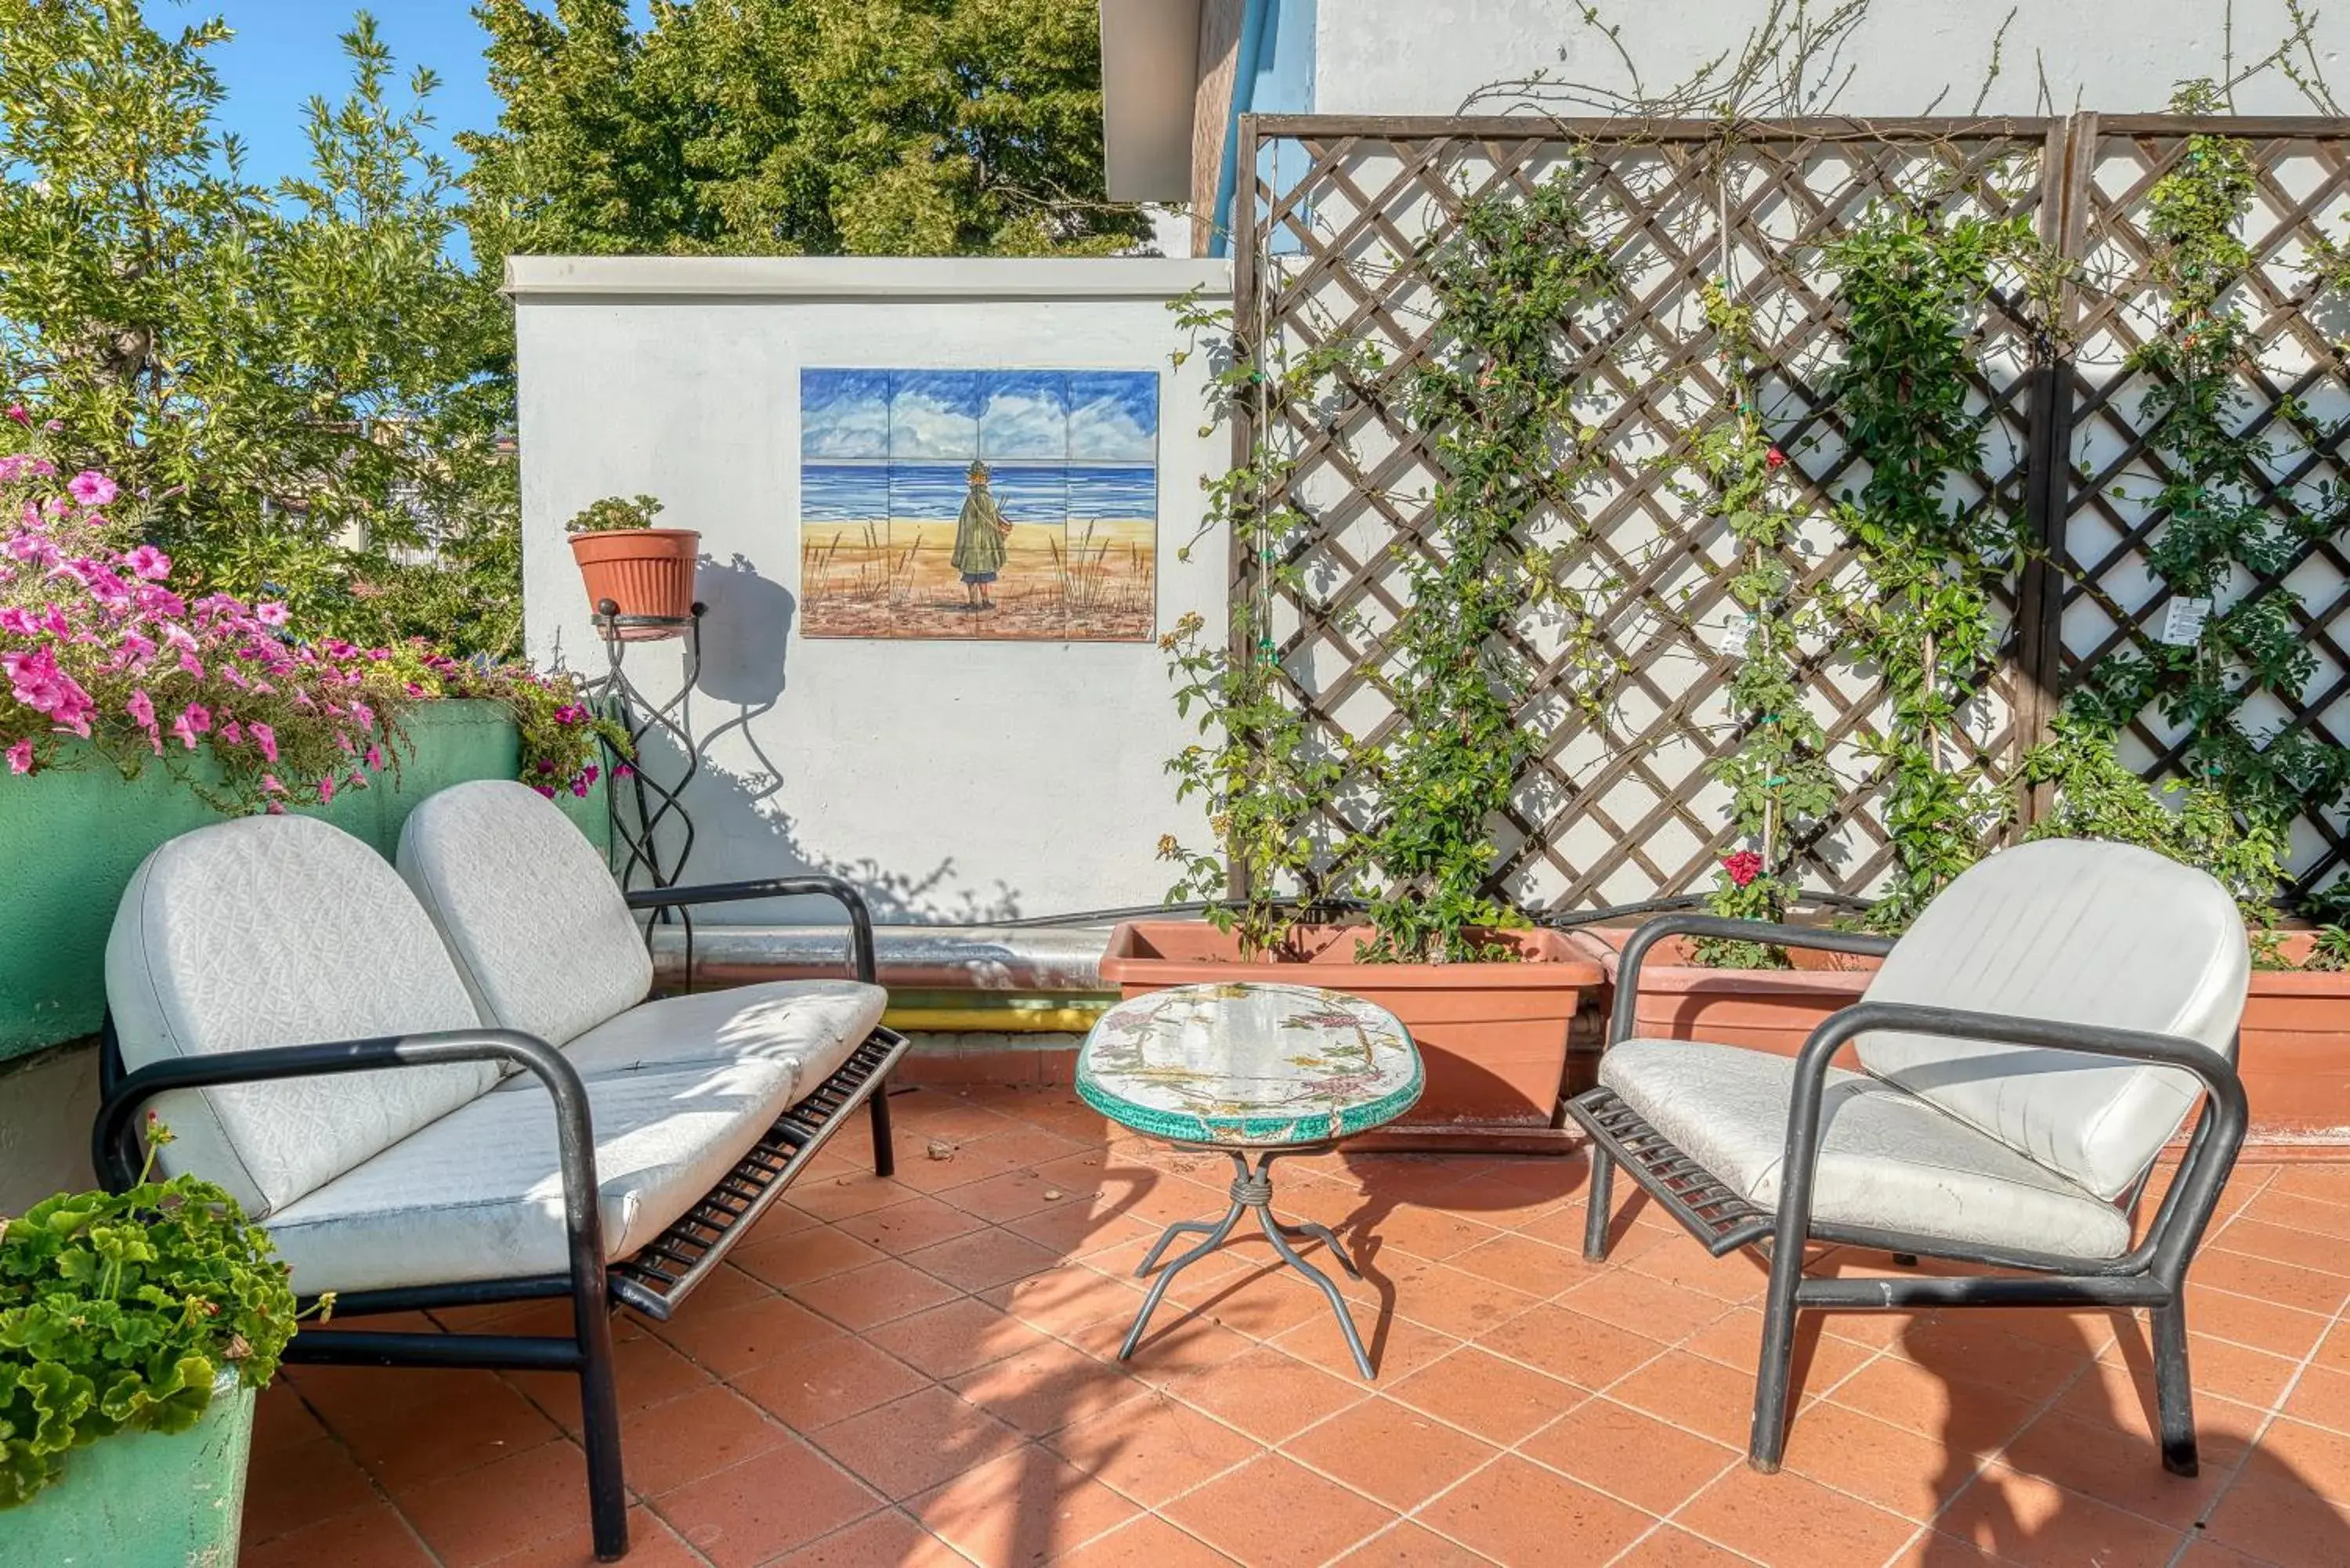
point(444, 1085)
point(2028, 1047)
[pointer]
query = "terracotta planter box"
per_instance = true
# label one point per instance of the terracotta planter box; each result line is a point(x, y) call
point(1493, 1036)
point(645, 571)
point(2294, 1056)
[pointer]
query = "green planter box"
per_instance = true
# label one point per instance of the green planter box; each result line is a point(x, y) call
point(143, 1499)
point(70, 837)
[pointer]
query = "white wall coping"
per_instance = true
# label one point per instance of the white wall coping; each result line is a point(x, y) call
point(863, 277)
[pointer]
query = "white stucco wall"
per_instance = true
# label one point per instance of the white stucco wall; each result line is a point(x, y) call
point(949, 779)
point(1429, 56)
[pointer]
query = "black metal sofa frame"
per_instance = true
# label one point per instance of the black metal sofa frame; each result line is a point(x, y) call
point(653, 1283)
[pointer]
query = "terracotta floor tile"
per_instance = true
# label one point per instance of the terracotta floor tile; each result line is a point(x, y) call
point(2282, 1284)
point(947, 1340)
point(1790, 1522)
point(1975, 1420)
point(1043, 1388)
point(2318, 1458)
point(1028, 1507)
point(1901, 1471)
point(1581, 1350)
point(1522, 1263)
point(1520, 1513)
point(912, 1444)
point(886, 1540)
point(706, 1431)
point(1498, 1400)
point(2320, 1396)
point(734, 1339)
point(2121, 1398)
point(1452, 1301)
point(1020, 1193)
point(1262, 1304)
point(853, 1192)
point(303, 1484)
point(2029, 1521)
point(1628, 1454)
point(1699, 1395)
point(372, 1535)
point(984, 1259)
point(829, 1384)
point(1147, 1542)
point(1276, 1514)
point(919, 1221)
point(1076, 1230)
point(1429, 1233)
point(876, 1294)
point(1061, 1300)
point(2276, 1520)
point(652, 1544)
point(1170, 1350)
point(2263, 1324)
point(280, 1419)
point(2205, 1552)
point(1408, 1545)
point(1822, 1360)
point(766, 1506)
point(1268, 1393)
point(2232, 1371)
point(2284, 1244)
point(934, 1165)
point(647, 1370)
point(503, 1508)
point(1669, 1546)
point(475, 1419)
point(2113, 1466)
point(1969, 1348)
point(1679, 1261)
point(1389, 1452)
point(2277, 1206)
point(1152, 1449)
point(1397, 1346)
point(1653, 1308)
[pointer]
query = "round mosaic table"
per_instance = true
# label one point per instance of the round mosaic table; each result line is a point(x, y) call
point(1262, 1070)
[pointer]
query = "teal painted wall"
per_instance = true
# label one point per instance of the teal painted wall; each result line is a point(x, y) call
point(71, 837)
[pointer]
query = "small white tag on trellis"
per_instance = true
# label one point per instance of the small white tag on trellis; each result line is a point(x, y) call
point(1738, 634)
point(2182, 621)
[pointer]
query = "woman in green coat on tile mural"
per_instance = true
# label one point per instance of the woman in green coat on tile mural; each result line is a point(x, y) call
point(980, 535)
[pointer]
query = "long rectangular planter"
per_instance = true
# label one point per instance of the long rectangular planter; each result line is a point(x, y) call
point(71, 835)
point(2294, 1054)
point(1494, 1037)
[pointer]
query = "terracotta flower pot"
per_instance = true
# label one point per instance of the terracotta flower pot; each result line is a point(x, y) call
point(645, 571)
point(2294, 1056)
point(1492, 1036)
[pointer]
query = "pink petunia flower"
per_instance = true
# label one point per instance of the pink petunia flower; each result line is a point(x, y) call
point(148, 562)
point(325, 792)
point(23, 416)
point(271, 614)
point(92, 488)
point(20, 756)
point(265, 738)
point(142, 709)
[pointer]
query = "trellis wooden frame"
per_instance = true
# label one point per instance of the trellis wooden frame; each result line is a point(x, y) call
point(1632, 819)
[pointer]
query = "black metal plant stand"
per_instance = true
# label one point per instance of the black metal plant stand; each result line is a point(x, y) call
point(637, 846)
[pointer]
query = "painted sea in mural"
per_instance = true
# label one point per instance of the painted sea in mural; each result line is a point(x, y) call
point(988, 504)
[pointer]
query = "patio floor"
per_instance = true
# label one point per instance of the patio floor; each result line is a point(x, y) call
point(918, 1372)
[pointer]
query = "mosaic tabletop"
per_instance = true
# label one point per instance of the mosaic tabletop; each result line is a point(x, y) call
point(1249, 1064)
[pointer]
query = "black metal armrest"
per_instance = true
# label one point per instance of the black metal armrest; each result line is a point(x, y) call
point(860, 919)
point(1650, 932)
point(2211, 1152)
point(113, 1143)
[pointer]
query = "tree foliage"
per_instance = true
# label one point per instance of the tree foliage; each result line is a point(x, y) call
point(785, 127)
point(297, 380)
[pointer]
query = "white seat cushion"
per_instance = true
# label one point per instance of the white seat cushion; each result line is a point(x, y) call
point(807, 1025)
point(282, 930)
point(478, 1195)
point(2086, 933)
point(1888, 1161)
point(531, 913)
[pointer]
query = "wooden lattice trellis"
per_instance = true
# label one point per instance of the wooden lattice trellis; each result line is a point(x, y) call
point(1622, 805)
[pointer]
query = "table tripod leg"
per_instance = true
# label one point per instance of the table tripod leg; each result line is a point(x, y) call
point(1322, 1234)
point(1150, 1259)
point(1216, 1234)
point(1272, 1234)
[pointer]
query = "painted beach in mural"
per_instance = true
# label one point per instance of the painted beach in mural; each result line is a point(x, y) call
point(979, 503)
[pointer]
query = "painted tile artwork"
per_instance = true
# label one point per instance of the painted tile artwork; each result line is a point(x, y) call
point(979, 503)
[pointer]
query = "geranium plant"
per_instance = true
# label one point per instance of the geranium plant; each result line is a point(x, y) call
point(614, 514)
point(564, 739)
point(119, 1312)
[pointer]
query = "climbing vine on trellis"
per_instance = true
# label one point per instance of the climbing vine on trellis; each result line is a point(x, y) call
point(1779, 779)
point(1909, 281)
point(1497, 399)
point(2223, 531)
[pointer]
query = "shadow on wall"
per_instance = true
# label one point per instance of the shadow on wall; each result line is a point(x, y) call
point(741, 827)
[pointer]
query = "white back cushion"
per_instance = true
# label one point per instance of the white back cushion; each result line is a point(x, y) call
point(538, 926)
point(2085, 933)
point(282, 930)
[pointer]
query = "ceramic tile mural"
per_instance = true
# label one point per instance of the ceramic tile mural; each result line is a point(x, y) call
point(979, 503)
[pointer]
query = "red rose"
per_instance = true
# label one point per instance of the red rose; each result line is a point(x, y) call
point(1742, 867)
point(1775, 458)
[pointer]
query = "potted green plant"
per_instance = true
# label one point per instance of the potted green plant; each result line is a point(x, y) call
point(135, 1329)
point(1490, 1000)
point(646, 571)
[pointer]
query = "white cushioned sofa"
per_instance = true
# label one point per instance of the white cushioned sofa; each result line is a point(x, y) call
point(446, 1083)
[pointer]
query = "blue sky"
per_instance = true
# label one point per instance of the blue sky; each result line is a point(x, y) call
point(1080, 416)
point(285, 51)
